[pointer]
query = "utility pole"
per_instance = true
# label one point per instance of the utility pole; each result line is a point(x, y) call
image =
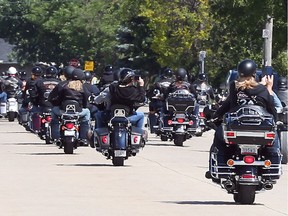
point(267, 36)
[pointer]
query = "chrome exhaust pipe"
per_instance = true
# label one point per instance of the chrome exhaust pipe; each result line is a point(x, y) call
point(105, 153)
point(229, 185)
point(267, 186)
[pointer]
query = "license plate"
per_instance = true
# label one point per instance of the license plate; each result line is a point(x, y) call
point(120, 153)
point(69, 133)
point(249, 149)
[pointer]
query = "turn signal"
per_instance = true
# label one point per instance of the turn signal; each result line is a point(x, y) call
point(249, 159)
point(180, 120)
point(43, 120)
point(267, 163)
point(230, 162)
point(191, 122)
point(48, 118)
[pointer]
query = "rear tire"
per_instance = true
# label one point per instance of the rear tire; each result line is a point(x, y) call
point(163, 137)
point(246, 194)
point(284, 146)
point(179, 139)
point(11, 116)
point(68, 145)
point(118, 161)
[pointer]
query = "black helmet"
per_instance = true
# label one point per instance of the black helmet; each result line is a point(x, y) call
point(37, 71)
point(282, 83)
point(108, 68)
point(247, 68)
point(78, 74)
point(51, 71)
point(181, 74)
point(88, 75)
point(68, 71)
point(167, 73)
point(126, 75)
point(202, 77)
point(22, 75)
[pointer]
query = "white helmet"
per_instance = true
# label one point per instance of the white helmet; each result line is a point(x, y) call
point(12, 71)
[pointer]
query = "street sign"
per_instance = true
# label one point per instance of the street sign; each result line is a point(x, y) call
point(89, 65)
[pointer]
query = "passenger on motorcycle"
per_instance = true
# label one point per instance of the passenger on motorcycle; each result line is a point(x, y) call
point(11, 83)
point(246, 90)
point(157, 97)
point(70, 89)
point(127, 91)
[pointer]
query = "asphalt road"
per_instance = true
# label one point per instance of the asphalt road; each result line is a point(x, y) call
point(39, 179)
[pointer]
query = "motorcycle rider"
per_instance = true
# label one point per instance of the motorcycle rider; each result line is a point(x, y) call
point(34, 87)
point(246, 90)
point(93, 91)
point(127, 91)
point(201, 84)
point(107, 77)
point(70, 89)
point(157, 97)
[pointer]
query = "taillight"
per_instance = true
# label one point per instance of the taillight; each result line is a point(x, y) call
point(48, 118)
point(249, 159)
point(230, 162)
point(270, 135)
point(191, 122)
point(230, 134)
point(180, 120)
point(135, 140)
point(43, 120)
point(202, 114)
point(104, 139)
point(169, 122)
point(69, 125)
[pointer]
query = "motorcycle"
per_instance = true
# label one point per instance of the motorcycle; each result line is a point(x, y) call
point(12, 106)
point(202, 100)
point(120, 140)
point(283, 133)
point(247, 168)
point(45, 127)
point(179, 123)
point(69, 126)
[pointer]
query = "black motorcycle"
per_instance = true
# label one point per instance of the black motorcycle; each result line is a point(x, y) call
point(120, 140)
point(283, 132)
point(249, 133)
point(45, 128)
point(179, 123)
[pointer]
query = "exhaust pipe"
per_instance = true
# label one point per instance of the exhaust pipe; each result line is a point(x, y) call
point(105, 153)
point(229, 185)
point(267, 186)
point(59, 143)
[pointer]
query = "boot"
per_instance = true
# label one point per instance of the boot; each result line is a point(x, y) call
point(83, 136)
point(153, 121)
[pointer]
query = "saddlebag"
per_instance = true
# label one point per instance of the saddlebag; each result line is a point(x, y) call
point(181, 103)
point(101, 138)
point(136, 137)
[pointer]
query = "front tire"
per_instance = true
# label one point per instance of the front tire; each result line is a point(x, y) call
point(284, 146)
point(246, 194)
point(68, 145)
point(118, 161)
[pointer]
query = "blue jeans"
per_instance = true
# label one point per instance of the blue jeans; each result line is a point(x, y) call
point(3, 97)
point(103, 117)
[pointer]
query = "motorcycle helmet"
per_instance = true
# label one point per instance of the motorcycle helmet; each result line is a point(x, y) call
point(22, 75)
point(78, 74)
point(51, 71)
point(68, 71)
point(167, 73)
point(181, 74)
point(12, 71)
point(126, 75)
point(247, 68)
point(202, 77)
point(108, 68)
point(282, 83)
point(88, 75)
point(37, 71)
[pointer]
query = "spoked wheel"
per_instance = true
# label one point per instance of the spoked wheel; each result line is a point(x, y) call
point(179, 139)
point(118, 161)
point(68, 145)
point(246, 194)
